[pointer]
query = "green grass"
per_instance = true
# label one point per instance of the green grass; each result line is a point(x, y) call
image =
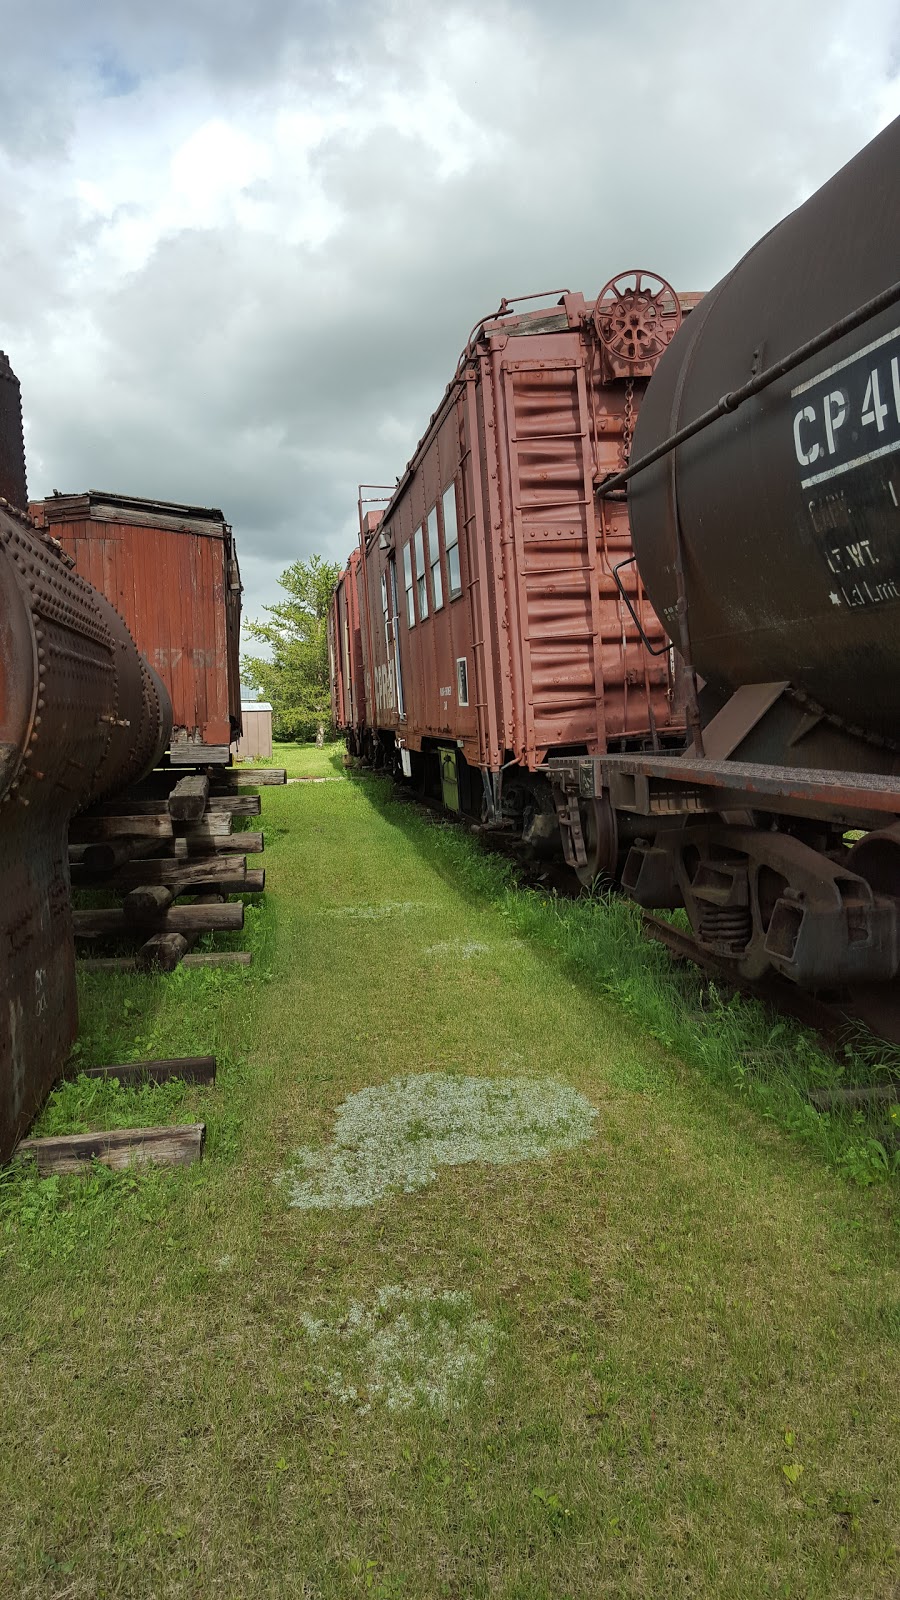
point(682, 1307)
point(305, 761)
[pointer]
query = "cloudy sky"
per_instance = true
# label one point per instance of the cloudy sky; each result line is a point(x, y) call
point(242, 244)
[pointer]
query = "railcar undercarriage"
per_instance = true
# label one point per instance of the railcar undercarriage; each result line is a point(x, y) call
point(780, 870)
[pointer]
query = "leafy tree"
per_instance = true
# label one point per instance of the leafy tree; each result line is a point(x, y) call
point(296, 679)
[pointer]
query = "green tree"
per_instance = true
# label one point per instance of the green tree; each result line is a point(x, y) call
point(296, 679)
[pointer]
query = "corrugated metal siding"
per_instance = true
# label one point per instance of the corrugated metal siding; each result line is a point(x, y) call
point(555, 565)
point(554, 658)
point(587, 678)
point(170, 587)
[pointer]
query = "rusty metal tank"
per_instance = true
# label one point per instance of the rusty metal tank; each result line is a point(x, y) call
point(81, 716)
point(13, 486)
point(769, 542)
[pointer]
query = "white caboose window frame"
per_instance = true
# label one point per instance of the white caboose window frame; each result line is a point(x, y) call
point(434, 558)
point(451, 541)
point(408, 585)
point(421, 573)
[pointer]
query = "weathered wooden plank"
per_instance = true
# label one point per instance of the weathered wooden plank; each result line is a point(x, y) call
point(178, 919)
point(178, 1146)
point(180, 870)
point(88, 829)
point(219, 958)
point(131, 807)
point(240, 805)
point(853, 1099)
point(205, 958)
point(248, 777)
point(203, 755)
point(107, 964)
point(252, 882)
point(100, 860)
point(187, 802)
point(188, 1069)
point(165, 950)
point(162, 952)
point(213, 825)
point(248, 843)
point(147, 901)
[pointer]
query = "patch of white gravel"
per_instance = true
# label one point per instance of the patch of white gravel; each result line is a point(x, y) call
point(409, 1347)
point(464, 948)
point(389, 908)
point(394, 1136)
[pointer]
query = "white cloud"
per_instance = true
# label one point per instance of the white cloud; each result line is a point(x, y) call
point(243, 245)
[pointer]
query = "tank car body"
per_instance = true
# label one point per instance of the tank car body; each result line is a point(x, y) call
point(787, 509)
point(765, 506)
point(172, 572)
point(82, 715)
point(493, 631)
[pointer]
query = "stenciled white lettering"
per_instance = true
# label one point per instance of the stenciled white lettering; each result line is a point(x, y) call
point(835, 417)
point(805, 457)
point(384, 684)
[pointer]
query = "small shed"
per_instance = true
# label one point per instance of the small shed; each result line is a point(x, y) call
point(256, 739)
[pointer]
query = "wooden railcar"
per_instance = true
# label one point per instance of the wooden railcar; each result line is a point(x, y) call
point(172, 572)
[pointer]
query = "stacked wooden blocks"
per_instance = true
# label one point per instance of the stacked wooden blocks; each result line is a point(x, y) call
point(168, 850)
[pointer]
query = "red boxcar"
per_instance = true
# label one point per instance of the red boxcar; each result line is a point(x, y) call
point(172, 572)
point(345, 645)
point(502, 617)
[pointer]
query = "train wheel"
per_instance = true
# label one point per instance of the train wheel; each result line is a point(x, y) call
point(601, 841)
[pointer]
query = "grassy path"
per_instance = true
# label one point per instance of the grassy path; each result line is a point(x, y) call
point(671, 1314)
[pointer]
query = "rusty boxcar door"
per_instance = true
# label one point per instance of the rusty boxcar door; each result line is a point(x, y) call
point(554, 553)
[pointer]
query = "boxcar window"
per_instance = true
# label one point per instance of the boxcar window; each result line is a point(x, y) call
point(434, 556)
point(462, 681)
point(421, 578)
point(451, 541)
point(408, 584)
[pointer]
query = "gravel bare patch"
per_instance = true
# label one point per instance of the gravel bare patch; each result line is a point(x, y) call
point(409, 1347)
point(465, 949)
point(388, 908)
point(394, 1137)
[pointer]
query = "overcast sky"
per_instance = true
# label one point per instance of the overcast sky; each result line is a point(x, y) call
point(241, 245)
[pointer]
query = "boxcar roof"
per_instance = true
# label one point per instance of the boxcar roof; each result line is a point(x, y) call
point(108, 507)
point(515, 324)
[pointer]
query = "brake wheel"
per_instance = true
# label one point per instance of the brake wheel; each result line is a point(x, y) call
point(636, 315)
